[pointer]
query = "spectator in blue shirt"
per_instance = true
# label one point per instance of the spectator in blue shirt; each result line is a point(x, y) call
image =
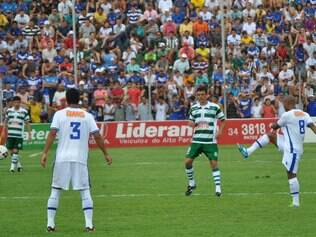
point(181, 4)
point(299, 53)
point(14, 30)
point(178, 16)
point(9, 6)
point(11, 79)
point(245, 103)
point(273, 39)
point(177, 108)
point(136, 78)
point(112, 17)
point(161, 77)
point(7, 92)
point(50, 82)
point(218, 75)
point(311, 106)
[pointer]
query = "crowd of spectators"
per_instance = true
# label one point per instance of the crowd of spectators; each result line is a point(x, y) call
point(128, 51)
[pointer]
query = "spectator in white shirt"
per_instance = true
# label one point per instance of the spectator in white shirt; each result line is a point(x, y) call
point(309, 46)
point(205, 14)
point(286, 74)
point(165, 6)
point(311, 61)
point(49, 53)
point(249, 11)
point(233, 38)
point(64, 7)
point(256, 108)
point(265, 73)
point(211, 4)
point(249, 26)
point(22, 19)
point(187, 38)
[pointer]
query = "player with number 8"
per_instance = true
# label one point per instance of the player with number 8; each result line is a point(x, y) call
point(292, 124)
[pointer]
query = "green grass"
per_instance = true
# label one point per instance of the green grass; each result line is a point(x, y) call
point(142, 195)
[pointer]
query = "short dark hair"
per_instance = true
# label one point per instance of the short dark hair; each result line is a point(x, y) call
point(202, 88)
point(72, 96)
point(16, 98)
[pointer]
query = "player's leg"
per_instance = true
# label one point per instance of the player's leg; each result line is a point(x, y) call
point(211, 151)
point(12, 150)
point(193, 151)
point(259, 143)
point(80, 181)
point(87, 207)
point(291, 163)
point(19, 145)
point(52, 205)
point(61, 179)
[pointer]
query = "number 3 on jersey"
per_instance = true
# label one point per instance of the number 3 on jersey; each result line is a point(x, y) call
point(301, 123)
point(75, 133)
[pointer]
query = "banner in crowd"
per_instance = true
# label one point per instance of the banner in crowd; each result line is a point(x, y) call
point(164, 133)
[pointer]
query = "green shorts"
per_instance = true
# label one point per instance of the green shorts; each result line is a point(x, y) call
point(210, 150)
point(14, 143)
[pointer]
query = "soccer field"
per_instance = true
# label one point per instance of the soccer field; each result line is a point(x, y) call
point(142, 195)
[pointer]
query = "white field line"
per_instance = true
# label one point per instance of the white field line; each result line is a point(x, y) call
point(34, 154)
point(141, 195)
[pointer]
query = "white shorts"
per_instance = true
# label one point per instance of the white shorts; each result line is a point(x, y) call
point(280, 142)
point(70, 172)
point(291, 161)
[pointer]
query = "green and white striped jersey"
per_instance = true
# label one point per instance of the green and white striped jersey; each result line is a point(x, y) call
point(15, 120)
point(205, 118)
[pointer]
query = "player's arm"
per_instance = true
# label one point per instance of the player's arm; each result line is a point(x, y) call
point(191, 121)
point(4, 129)
point(49, 141)
point(281, 122)
point(275, 126)
point(220, 115)
point(100, 142)
point(312, 126)
point(29, 129)
point(221, 128)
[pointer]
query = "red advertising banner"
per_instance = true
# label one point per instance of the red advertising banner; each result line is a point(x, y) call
point(177, 133)
point(162, 133)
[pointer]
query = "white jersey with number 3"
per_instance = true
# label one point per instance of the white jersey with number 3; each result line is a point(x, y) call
point(294, 124)
point(74, 127)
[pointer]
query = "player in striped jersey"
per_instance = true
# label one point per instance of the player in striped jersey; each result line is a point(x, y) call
point(15, 119)
point(204, 116)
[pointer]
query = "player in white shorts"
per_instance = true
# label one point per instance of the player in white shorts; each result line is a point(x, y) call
point(293, 124)
point(73, 127)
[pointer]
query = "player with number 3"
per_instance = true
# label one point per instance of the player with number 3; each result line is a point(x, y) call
point(73, 127)
point(293, 125)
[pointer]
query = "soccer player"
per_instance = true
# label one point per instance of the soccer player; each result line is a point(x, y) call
point(16, 118)
point(73, 127)
point(293, 124)
point(204, 115)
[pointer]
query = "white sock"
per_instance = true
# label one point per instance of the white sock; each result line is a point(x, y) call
point(52, 206)
point(295, 190)
point(217, 180)
point(190, 175)
point(259, 143)
point(19, 165)
point(87, 207)
point(14, 161)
